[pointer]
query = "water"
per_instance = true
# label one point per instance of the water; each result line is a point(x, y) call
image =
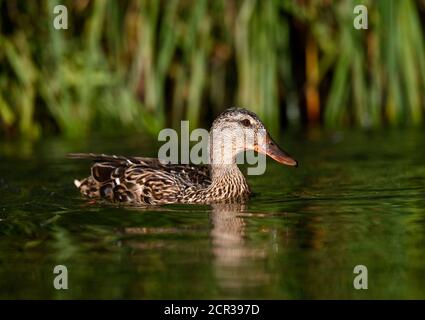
point(357, 199)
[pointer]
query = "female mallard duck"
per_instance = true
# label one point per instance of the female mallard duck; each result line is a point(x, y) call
point(149, 181)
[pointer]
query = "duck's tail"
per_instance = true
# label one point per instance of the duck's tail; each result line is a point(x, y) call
point(77, 183)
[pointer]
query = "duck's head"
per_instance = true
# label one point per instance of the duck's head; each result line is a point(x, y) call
point(237, 130)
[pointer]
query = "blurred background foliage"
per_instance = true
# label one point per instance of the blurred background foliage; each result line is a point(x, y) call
point(144, 65)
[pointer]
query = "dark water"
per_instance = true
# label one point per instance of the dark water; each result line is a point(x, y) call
point(356, 199)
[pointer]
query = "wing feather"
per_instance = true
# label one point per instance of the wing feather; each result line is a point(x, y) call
point(139, 179)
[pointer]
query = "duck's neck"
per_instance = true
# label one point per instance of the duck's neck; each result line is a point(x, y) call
point(228, 183)
point(226, 171)
point(227, 180)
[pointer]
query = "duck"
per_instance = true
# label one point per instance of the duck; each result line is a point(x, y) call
point(149, 181)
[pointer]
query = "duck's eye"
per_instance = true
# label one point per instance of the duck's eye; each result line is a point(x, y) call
point(246, 122)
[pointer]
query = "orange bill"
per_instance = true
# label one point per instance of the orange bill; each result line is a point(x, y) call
point(271, 149)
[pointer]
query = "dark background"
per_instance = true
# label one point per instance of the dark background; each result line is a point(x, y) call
point(140, 66)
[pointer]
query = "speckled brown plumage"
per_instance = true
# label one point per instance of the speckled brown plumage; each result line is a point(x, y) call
point(147, 181)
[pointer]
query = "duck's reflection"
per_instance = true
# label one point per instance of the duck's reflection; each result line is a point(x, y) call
point(228, 233)
point(238, 261)
point(237, 264)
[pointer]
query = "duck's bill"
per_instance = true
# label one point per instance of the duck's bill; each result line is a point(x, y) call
point(271, 149)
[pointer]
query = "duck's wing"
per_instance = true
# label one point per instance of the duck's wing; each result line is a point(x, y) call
point(128, 178)
point(195, 173)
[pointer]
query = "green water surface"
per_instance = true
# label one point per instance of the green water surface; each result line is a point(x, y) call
point(357, 198)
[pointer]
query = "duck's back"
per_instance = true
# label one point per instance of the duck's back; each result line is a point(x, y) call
point(140, 180)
